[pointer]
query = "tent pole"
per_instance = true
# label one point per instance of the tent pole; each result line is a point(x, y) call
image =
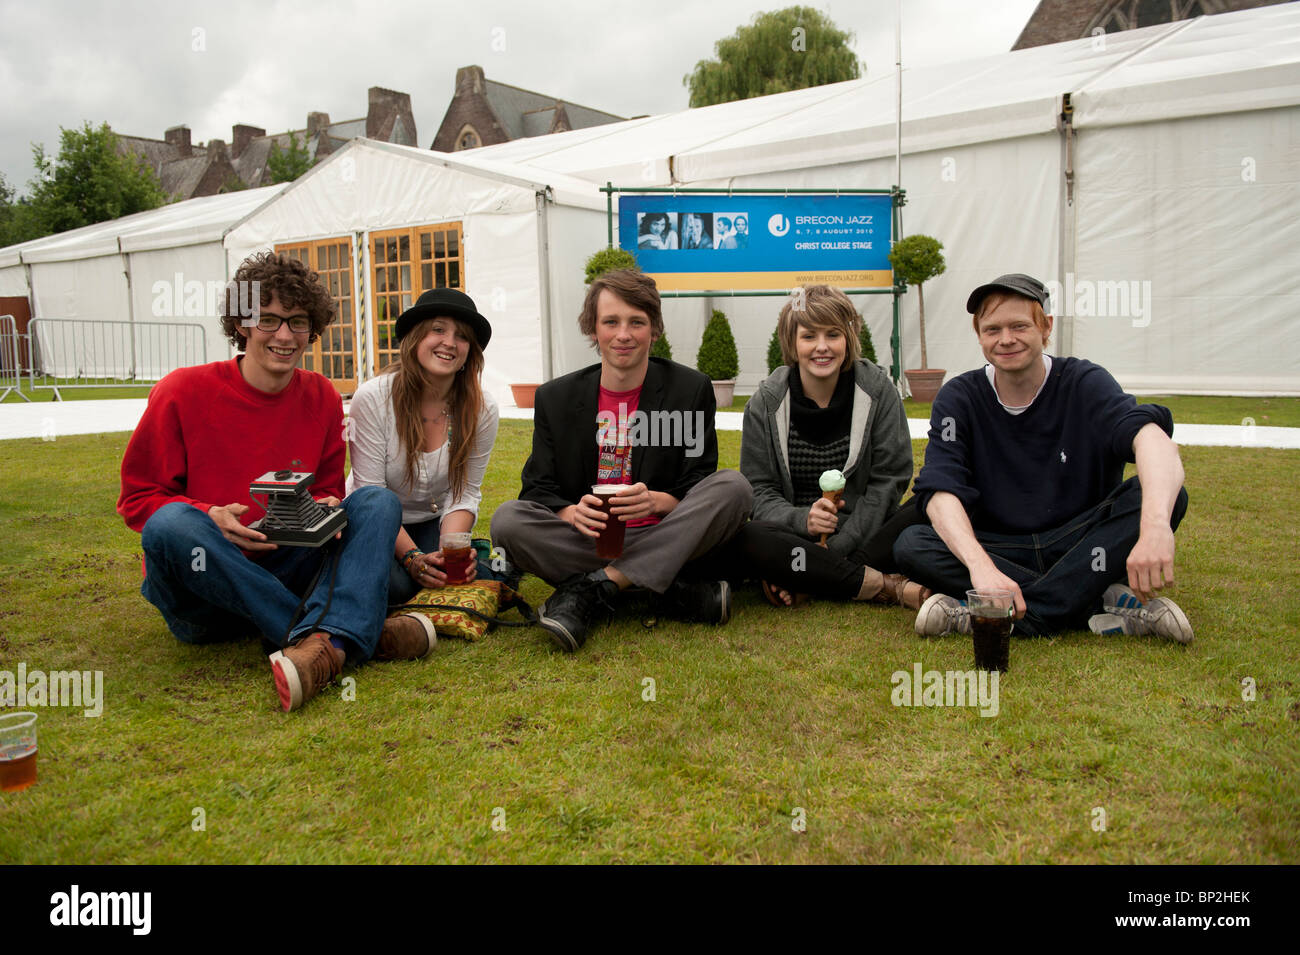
point(544, 290)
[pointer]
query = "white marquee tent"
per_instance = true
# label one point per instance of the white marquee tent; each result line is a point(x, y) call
point(1152, 174)
point(512, 235)
point(1177, 176)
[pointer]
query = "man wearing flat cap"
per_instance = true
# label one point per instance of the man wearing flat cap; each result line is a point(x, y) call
point(1023, 485)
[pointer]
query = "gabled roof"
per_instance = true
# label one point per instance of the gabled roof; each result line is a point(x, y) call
point(512, 104)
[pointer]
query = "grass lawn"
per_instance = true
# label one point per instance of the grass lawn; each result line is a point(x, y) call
point(1187, 409)
point(778, 717)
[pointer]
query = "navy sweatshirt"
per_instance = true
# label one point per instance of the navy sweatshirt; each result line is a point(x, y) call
point(1028, 473)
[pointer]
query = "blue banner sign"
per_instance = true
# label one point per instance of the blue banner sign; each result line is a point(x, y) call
point(717, 242)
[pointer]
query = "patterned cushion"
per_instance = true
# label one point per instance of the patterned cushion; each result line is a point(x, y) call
point(483, 596)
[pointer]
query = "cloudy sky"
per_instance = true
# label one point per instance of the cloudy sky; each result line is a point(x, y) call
point(145, 66)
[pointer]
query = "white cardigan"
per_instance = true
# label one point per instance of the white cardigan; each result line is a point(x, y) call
point(379, 460)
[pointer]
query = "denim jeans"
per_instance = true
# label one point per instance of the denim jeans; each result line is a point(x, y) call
point(1062, 573)
point(207, 589)
point(426, 536)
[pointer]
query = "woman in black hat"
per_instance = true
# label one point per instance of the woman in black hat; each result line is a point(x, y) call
point(424, 428)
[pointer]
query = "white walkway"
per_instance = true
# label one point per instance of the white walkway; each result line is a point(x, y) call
point(50, 419)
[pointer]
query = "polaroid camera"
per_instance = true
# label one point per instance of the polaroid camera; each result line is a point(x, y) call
point(293, 517)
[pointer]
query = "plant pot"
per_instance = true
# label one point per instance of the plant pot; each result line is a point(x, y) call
point(523, 394)
point(724, 392)
point(924, 383)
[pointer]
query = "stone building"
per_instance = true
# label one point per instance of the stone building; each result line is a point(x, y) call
point(483, 112)
point(1055, 21)
point(187, 170)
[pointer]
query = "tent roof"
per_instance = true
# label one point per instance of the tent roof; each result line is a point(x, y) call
point(1230, 62)
point(191, 222)
point(208, 218)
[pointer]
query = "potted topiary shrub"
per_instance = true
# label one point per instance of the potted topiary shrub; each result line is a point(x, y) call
point(917, 259)
point(607, 260)
point(661, 348)
point(865, 343)
point(717, 358)
point(774, 357)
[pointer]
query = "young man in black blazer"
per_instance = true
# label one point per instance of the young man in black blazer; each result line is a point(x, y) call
point(641, 422)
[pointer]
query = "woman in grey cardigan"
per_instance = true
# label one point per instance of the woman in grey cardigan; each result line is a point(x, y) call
point(826, 410)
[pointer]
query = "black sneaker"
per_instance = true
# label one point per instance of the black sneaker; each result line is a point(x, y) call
point(575, 606)
point(697, 601)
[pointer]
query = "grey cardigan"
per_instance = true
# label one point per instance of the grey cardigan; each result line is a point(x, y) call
point(877, 472)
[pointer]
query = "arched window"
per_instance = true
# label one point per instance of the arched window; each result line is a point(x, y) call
point(468, 138)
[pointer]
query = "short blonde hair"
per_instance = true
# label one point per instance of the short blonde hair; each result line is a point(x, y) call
point(815, 307)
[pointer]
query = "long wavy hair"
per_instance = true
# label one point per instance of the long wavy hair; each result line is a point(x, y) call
point(466, 397)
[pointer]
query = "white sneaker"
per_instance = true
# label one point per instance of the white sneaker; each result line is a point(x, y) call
point(1126, 613)
point(942, 614)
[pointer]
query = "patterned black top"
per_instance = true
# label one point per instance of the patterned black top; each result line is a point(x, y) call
point(819, 437)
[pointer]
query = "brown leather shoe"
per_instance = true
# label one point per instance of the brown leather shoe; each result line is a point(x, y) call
point(899, 591)
point(405, 637)
point(300, 671)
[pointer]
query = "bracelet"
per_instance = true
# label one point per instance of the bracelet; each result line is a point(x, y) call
point(411, 555)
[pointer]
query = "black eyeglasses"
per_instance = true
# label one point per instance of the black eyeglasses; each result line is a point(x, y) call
point(298, 324)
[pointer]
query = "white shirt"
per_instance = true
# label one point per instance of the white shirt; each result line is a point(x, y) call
point(1019, 409)
point(379, 460)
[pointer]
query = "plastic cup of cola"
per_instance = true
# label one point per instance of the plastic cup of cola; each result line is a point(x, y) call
point(610, 542)
point(17, 751)
point(458, 555)
point(991, 615)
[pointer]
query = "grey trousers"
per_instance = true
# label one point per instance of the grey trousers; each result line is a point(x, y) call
point(538, 542)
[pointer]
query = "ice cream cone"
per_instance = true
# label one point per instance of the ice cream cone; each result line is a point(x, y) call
point(834, 498)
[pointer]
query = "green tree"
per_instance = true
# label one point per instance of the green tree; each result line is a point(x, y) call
point(915, 260)
point(90, 181)
point(790, 49)
point(288, 165)
point(717, 357)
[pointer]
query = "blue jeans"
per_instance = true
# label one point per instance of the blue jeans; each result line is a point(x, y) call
point(207, 589)
point(425, 535)
point(1062, 573)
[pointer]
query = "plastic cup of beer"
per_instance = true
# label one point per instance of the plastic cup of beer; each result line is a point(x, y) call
point(610, 542)
point(17, 751)
point(991, 614)
point(457, 555)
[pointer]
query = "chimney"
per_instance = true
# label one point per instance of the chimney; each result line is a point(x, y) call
point(179, 136)
point(217, 149)
point(384, 106)
point(242, 135)
point(316, 123)
point(469, 79)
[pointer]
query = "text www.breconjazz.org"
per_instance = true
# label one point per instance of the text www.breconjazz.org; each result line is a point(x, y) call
point(1203, 922)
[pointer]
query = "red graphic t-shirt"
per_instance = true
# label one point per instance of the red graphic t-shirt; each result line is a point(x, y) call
point(614, 411)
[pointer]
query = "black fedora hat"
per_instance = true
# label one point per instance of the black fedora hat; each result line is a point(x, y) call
point(1016, 282)
point(445, 303)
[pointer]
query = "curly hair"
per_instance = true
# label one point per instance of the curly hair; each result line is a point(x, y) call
point(274, 273)
point(814, 307)
point(633, 287)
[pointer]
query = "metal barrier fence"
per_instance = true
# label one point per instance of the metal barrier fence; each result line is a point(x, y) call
point(82, 353)
point(11, 369)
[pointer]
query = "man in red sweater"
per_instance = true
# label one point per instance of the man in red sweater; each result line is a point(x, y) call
point(207, 433)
